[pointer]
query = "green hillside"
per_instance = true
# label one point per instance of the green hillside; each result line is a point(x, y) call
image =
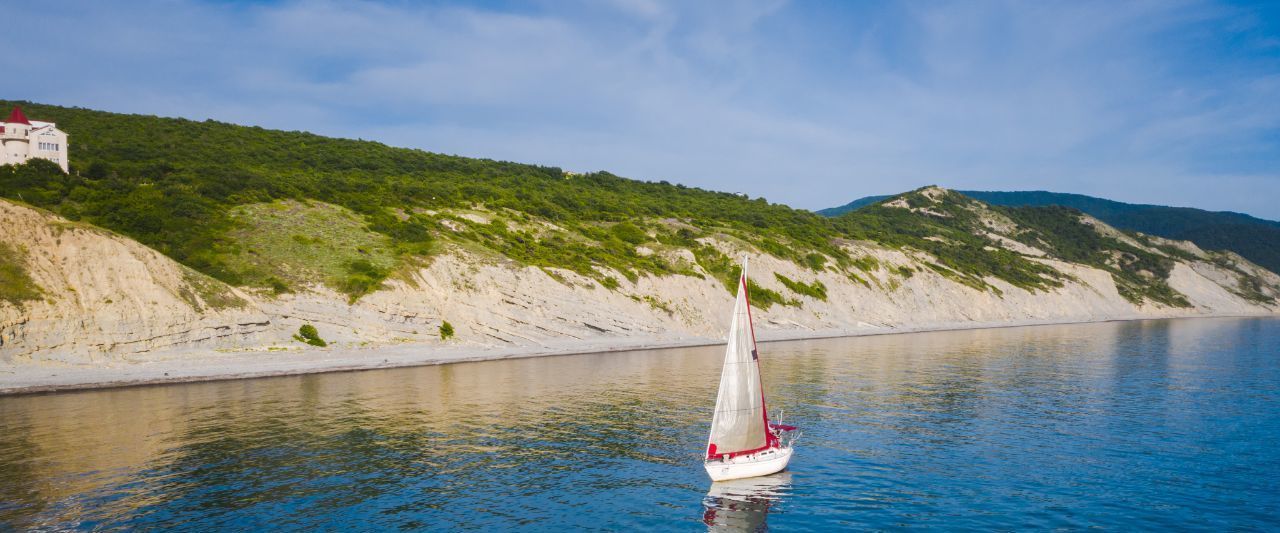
point(181, 186)
point(956, 229)
point(1253, 238)
point(282, 211)
point(1256, 239)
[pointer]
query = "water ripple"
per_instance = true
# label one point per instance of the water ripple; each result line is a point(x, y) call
point(1143, 424)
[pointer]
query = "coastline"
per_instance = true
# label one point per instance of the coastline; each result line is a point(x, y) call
point(194, 367)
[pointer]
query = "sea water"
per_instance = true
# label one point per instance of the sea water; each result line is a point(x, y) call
point(1148, 424)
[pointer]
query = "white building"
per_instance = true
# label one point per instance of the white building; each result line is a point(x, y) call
point(24, 139)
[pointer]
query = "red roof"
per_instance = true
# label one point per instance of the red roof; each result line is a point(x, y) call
point(16, 117)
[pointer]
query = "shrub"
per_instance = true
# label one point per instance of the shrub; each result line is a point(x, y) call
point(629, 233)
point(866, 263)
point(816, 290)
point(686, 237)
point(278, 287)
point(815, 261)
point(446, 330)
point(763, 298)
point(308, 334)
point(363, 277)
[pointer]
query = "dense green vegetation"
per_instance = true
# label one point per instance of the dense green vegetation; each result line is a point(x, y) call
point(446, 330)
point(1255, 239)
point(308, 334)
point(16, 286)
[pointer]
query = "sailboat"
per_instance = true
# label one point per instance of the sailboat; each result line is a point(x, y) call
point(743, 443)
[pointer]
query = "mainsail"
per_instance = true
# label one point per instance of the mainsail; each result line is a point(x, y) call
point(741, 422)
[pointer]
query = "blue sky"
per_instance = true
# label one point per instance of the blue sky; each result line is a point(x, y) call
point(811, 104)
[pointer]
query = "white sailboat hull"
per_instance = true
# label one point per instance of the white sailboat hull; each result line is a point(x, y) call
point(757, 464)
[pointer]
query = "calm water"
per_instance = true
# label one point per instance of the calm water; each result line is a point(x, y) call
point(1153, 424)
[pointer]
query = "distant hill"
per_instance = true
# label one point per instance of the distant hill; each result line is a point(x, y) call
point(852, 206)
point(1254, 238)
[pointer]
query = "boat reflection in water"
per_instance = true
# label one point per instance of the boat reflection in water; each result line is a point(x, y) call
point(743, 504)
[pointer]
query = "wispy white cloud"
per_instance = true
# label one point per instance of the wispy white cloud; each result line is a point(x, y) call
point(1158, 101)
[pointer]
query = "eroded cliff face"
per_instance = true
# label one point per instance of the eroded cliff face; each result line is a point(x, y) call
point(102, 296)
point(105, 298)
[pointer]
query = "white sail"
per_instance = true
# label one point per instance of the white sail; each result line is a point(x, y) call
point(739, 423)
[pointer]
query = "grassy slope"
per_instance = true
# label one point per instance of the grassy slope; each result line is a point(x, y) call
point(1253, 238)
point(1140, 271)
point(949, 230)
point(16, 286)
point(1139, 274)
point(288, 244)
point(276, 210)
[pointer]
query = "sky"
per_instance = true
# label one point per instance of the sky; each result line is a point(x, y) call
point(811, 104)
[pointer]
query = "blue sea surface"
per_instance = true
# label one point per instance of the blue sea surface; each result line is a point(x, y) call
point(1151, 424)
